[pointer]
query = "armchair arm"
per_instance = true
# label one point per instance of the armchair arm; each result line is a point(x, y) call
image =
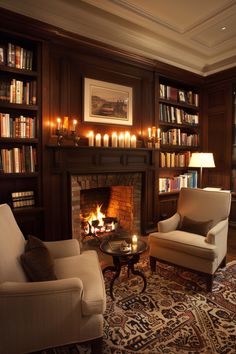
point(218, 233)
point(28, 289)
point(64, 248)
point(35, 315)
point(169, 224)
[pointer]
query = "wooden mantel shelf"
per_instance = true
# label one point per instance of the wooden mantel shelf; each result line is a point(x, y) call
point(80, 159)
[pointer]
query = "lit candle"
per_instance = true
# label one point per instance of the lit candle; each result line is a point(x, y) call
point(91, 138)
point(65, 123)
point(158, 133)
point(134, 239)
point(127, 139)
point(149, 133)
point(133, 141)
point(106, 140)
point(98, 139)
point(114, 140)
point(58, 123)
point(74, 123)
point(121, 140)
point(154, 132)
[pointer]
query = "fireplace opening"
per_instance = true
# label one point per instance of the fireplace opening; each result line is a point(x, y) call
point(117, 194)
point(106, 210)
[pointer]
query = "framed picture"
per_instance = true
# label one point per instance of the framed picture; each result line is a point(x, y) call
point(182, 97)
point(109, 103)
point(2, 55)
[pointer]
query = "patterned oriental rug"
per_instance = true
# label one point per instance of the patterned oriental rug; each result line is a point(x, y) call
point(175, 314)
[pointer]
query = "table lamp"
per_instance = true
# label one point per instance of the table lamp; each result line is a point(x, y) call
point(202, 160)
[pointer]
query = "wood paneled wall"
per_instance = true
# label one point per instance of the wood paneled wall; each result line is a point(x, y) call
point(217, 127)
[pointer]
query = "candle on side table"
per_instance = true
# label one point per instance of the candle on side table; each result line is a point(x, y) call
point(134, 242)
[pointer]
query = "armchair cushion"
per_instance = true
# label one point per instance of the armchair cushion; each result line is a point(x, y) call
point(195, 227)
point(37, 261)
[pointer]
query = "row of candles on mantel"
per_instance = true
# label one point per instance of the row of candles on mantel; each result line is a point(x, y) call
point(123, 140)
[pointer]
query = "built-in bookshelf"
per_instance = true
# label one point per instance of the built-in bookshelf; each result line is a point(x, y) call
point(20, 122)
point(233, 180)
point(177, 109)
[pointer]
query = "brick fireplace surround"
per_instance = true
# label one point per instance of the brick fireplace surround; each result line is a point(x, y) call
point(80, 168)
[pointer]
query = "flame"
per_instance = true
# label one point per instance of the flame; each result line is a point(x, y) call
point(97, 215)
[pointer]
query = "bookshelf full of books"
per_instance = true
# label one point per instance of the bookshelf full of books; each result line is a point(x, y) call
point(20, 121)
point(177, 110)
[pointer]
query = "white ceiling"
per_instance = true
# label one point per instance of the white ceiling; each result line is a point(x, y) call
point(184, 33)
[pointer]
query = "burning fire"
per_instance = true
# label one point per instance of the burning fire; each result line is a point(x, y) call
point(97, 222)
point(97, 215)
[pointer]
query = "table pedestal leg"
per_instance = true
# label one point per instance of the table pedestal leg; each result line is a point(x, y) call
point(118, 262)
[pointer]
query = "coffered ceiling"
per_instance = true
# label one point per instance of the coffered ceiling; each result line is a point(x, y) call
point(197, 35)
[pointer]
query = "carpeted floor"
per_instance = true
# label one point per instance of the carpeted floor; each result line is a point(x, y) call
point(174, 315)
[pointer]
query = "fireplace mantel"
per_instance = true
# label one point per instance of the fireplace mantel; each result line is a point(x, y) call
point(67, 161)
point(75, 159)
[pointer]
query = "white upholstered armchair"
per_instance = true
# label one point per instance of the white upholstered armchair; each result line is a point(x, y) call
point(38, 315)
point(196, 236)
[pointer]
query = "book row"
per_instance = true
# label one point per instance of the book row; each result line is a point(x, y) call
point(171, 184)
point(174, 94)
point(16, 127)
point(16, 56)
point(173, 159)
point(17, 91)
point(175, 115)
point(23, 199)
point(177, 137)
point(18, 160)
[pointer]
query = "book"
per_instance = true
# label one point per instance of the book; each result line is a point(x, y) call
point(23, 199)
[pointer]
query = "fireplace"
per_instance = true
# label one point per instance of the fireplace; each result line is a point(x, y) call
point(75, 169)
point(117, 194)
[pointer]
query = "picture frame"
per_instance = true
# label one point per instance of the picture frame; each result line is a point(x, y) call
point(107, 103)
point(2, 55)
point(182, 97)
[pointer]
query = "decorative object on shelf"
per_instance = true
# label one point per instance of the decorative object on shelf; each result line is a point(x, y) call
point(123, 140)
point(105, 140)
point(2, 55)
point(106, 102)
point(202, 160)
point(153, 138)
point(91, 138)
point(114, 140)
point(62, 131)
point(98, 141)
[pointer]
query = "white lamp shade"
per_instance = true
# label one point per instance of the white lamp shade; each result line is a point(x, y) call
point(202, 159)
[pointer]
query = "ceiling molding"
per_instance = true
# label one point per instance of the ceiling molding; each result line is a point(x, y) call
point(199, 46)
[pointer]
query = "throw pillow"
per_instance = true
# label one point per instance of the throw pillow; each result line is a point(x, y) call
point(196, 227)
point(36, 261)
